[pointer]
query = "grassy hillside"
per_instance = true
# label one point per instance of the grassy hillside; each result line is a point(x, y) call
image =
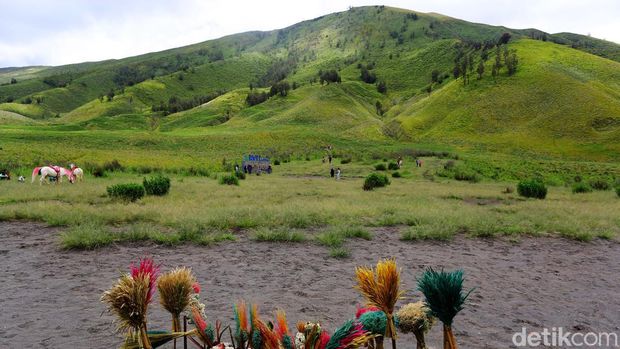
point(560, 102)
point(176, 107)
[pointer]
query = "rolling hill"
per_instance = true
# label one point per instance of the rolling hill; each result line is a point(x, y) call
point(561, 101)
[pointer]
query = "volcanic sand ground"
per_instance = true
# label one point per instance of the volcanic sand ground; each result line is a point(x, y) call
point(50, 297)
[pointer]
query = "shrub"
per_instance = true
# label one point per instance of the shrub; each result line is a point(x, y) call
point(532, 188)
point(618, 190)
point(599, 184)
point(375, 180)
point(396, 174)
point(508, 190)
point(276, 162)
point(157, 185)
point(345, 161)
point(461, 174)
point(581, 187)
point(126, 192)
point(380, 167)
point(112, 166)
point(229, 179)
point(98, 171)
point(240, 174)
point(392, 166)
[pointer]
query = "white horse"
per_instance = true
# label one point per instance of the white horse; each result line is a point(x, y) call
point(78, 173)
point(47, 171)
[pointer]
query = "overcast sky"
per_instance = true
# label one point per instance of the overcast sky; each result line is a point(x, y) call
point(54, 32)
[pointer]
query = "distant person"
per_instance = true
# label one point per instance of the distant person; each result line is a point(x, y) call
point(338, 174)
point(332, 172)
point(249, 169)
point(245, 168)
point(269, 169)
point(330, 158)
point(236, 168)
point(400, 162)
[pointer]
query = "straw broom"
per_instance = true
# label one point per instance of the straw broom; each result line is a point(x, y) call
point(380, 287)
point(445, 298)
point(128, 300)
point(415, 318)
point(175, 291)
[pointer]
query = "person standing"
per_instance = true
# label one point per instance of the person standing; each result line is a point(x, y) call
point(331, 172)
point(338, 174)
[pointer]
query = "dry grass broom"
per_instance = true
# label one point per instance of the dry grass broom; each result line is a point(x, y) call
point(381, 288)
point(175, 293)
point(415, 318)
point(128, 299)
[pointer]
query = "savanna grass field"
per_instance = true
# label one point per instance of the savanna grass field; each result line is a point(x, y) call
point(300, 202)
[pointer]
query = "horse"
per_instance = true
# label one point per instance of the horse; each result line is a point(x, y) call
point(78, 173)
point(48, 171)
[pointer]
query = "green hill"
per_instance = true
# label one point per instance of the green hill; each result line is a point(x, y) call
point(561, 102)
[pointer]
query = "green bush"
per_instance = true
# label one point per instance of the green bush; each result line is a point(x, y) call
point(345, 161)
point(239, 174)
point(599, 184)
point(581, 187)
point(375, 180)
point(157, 185)
point(229, 179)
point(532, 188)
point(276, 162)
point(126, 192)
point(380, 167)
point(396, 174)
point(618, 190)
point(392, 166)
point(461, 174)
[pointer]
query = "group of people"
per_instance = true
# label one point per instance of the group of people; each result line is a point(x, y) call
point(5, 175)
point(332, 172)
point(247, 169)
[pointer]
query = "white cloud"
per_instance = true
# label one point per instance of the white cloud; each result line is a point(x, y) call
point(57, 32)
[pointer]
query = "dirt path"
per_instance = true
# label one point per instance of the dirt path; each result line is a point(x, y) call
point(50, 298)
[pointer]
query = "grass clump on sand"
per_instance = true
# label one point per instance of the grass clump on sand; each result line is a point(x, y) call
point(266, 235)
point(86, 237)
point(334, 239)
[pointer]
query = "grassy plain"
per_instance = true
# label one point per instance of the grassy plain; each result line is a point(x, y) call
point(299, 202)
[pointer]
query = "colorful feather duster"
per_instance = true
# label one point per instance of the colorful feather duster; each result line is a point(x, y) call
point(351, 335)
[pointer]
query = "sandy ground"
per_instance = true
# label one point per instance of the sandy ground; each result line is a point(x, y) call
point(50, 298)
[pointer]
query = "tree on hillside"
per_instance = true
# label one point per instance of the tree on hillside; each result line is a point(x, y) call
point(329, 76)
point(280, 88)
point(504, 39)
point(382, 87)
point(379, 108)
point(435, 75)
point(367, 76)
point(13, 81)
point(480, 69)
point(512, 62)
point(110, 95)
